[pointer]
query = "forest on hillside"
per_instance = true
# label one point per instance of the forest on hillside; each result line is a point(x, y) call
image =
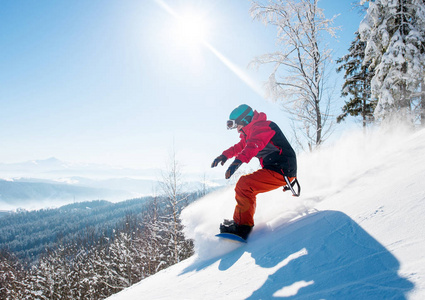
point(27, 234)
point(90, 250)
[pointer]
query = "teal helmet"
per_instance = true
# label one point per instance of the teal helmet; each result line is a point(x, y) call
point(241, 115)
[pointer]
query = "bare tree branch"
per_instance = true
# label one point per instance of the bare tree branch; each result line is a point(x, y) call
point(297, 79)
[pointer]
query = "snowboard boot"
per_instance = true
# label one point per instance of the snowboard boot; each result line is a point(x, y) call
point(229, 226)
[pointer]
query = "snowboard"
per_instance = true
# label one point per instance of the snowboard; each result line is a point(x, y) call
point(231, 236)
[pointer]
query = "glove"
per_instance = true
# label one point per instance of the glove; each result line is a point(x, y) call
point(233, 167)
point(222, 158)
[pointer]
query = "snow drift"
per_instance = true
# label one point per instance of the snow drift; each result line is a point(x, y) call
point(357, 231)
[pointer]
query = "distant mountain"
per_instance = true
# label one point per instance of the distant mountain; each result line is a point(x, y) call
point(52, 168)
point(52, 183)
point(32, 194)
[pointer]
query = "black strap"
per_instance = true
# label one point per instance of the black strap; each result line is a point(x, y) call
point(290, 186)
point(243, 115)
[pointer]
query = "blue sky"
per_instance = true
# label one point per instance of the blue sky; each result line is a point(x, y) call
point(107, 81)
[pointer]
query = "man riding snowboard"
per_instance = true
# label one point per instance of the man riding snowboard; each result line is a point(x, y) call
point(263, 139)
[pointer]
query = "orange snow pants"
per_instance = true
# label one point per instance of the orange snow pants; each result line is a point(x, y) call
point(248, 187)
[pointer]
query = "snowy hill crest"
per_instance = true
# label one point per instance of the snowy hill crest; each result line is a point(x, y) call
point(356, 232)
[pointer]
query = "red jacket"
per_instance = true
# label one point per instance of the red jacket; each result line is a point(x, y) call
point(264, 139)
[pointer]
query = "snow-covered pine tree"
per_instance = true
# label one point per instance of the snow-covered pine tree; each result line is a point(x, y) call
point(299, 75)
point(154, 240)
point(100, 262)
point(12, 277)
point(82, 275)
point(357, 77)
point(50, 278)
point(126, 261)
point(394, 31)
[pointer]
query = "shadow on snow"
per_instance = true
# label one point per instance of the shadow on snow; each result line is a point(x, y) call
point(322, 255)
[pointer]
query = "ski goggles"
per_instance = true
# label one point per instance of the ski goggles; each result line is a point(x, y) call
point(231, 124)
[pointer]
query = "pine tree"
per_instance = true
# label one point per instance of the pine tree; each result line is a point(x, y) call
point(394, 32)
point(153, 238)
point(51, 276)
point(357, 83)
point(126, 265)
point(12, 277)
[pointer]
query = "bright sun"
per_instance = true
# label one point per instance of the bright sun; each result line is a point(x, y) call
point(191, 28)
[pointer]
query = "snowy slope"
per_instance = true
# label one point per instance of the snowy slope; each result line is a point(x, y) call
point(357, 231)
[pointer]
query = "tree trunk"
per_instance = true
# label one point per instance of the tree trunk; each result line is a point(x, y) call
point(423, 104)
point(319, 125)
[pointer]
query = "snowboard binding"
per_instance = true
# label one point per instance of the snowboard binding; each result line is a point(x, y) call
point(229, 226)
point(290, 186)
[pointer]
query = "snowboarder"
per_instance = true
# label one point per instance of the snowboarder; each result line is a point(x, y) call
point(263, 139)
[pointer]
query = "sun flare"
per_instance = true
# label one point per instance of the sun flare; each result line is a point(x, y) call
point(191, 31)
point(191, 28)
